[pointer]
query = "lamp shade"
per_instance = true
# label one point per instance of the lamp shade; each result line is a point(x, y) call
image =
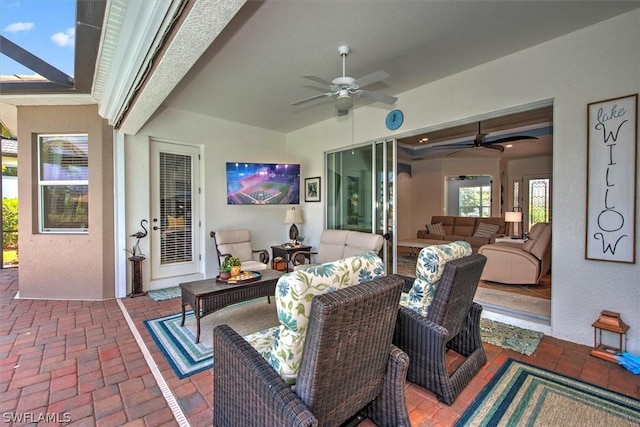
point(293, 216)
point(513, 216)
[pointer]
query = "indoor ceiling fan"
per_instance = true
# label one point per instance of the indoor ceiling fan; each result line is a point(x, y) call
point(480, 141)
point(344, 88)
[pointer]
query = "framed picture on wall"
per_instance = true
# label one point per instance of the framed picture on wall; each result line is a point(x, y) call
point(312, 189)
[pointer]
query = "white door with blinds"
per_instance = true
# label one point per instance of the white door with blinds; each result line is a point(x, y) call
point(175, 210)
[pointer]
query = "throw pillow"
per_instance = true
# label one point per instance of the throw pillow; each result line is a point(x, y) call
point(436, 229)
point(175, 222)
point(486, 230)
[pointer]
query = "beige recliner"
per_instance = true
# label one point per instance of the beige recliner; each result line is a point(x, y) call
point(523, 265)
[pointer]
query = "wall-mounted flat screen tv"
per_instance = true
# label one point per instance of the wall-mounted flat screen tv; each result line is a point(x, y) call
point(263, 184)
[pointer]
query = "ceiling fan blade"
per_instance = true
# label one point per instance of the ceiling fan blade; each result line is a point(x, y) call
point(500, 148)
point(371, 78)
point(379, 97)
point(459, 151)
point(511, 139)
point(312, 98)
point(318, 80)
point(456, 145)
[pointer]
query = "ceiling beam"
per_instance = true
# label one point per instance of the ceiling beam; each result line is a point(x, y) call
point(34, 63)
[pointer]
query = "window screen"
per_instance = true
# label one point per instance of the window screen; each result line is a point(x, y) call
point(63, 182)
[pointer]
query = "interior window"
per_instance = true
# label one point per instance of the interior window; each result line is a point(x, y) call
point(469, 195)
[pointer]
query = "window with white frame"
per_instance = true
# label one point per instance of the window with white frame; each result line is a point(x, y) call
point(475, 201)
point(468, 195)
point(63, 183)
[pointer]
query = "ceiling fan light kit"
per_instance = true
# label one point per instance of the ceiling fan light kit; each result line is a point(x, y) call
point(344, 88)
point(343, 101)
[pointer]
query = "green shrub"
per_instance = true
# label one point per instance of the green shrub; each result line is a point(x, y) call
point(10, 223)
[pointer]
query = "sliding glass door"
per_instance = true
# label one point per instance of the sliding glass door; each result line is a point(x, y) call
point(360, 190)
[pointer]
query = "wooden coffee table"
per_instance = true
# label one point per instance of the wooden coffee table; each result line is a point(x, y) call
point(209, 295)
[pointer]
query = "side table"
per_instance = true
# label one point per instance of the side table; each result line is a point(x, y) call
point(285, 253)
point(510, 241)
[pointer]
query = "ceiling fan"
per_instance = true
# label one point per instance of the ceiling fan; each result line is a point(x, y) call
point(481, 142)
point(344, 88)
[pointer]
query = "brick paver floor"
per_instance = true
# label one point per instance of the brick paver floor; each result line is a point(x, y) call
point(78, 363)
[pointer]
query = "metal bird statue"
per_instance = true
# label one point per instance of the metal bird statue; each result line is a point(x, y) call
point(139, 235)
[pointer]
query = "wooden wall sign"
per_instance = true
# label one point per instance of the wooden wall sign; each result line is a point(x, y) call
point(612, 139)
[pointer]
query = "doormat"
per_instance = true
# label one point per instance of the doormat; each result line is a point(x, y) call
point(521, 340)
point(163, 294)
point(523, 395)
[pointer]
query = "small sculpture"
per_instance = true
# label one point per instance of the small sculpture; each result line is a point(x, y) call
point(135, 251)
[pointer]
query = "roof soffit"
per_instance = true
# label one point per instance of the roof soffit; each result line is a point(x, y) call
point(202, 23)
point(126, 46)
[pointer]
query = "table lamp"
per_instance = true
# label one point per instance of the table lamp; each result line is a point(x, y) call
point(516, 219)
point(293, 217)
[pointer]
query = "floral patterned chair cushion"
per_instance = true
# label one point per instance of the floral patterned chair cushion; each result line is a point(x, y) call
point(429, 268)
point(282, 345)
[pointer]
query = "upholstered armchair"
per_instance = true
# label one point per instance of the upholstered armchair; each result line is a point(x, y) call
point(438, 314)
point(237, 243)
point(329, 360)
point(519, 265)
point(338, 244)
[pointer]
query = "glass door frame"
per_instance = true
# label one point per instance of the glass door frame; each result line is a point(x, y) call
point(382, 175)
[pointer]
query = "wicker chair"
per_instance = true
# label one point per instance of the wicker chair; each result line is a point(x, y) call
point(452, 322)
point(349, 366)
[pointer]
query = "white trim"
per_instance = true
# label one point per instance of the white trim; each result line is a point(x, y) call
point(119, 214)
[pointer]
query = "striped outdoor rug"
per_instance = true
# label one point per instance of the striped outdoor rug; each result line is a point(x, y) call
point(177, 343)
point(523, 395)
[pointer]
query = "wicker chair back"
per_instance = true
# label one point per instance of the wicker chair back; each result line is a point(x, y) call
point(347, 348)
point(455, 293)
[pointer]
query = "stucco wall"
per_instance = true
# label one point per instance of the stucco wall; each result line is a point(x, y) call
point(596, 63)
point(66, 266)
point(221, 141)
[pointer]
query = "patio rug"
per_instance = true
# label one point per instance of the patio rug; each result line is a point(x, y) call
point(177, 343)
point(523, 395)
point(178, 346)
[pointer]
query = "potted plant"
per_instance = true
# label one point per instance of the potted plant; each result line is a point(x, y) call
point(230, 265)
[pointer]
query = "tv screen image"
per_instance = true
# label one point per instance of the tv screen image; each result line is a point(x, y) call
point(263, 184)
